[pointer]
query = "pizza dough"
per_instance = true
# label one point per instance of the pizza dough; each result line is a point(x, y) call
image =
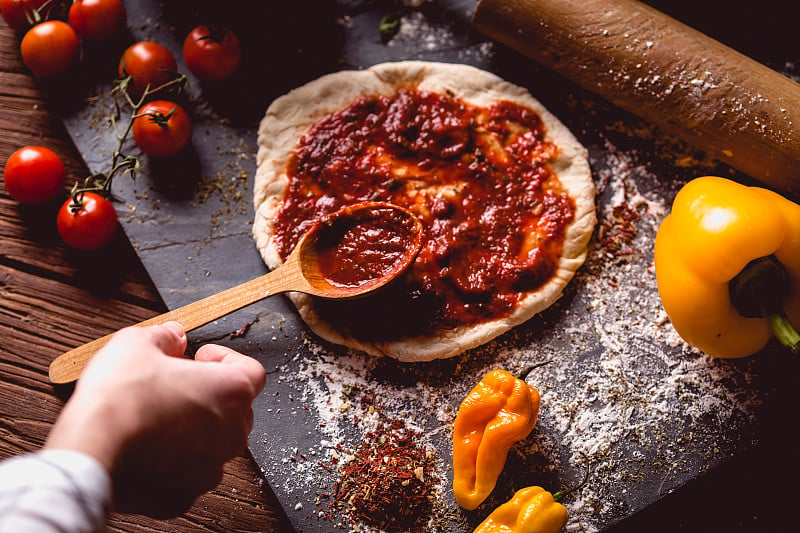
point(291, 115)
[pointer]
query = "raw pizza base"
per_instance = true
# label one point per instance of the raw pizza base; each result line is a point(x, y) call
point(288, 118)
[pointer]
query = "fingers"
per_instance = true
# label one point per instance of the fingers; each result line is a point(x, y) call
point(169, 338)
point(214, 353)
point(244, 377)
point(252, 369)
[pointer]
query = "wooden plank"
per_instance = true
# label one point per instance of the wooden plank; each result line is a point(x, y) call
point(40, 318)
point(52, 298)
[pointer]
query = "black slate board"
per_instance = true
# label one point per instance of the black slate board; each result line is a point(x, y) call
point(614, 358)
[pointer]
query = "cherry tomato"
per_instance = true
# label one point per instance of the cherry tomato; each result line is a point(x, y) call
point(147, 63)
point(97, 20)
point(21, 14)
point(162, 128)
point(90, 226)
point(211, 54)
point(34, 175)
point(49, 48)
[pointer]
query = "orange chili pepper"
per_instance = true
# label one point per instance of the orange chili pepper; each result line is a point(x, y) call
point(530, 510)
point(498, 412)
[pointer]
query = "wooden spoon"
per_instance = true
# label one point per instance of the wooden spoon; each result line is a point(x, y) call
point(301, 272)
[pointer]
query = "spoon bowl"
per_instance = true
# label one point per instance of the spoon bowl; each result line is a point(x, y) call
point(358, 249)
point(313, 267)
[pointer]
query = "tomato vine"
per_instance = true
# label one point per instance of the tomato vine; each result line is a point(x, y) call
point(121, 163)
point(52, 33)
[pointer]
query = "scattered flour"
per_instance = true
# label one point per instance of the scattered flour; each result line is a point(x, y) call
point(417, 31)
point(623, 396)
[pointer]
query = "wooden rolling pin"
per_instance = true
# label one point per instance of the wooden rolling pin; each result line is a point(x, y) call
point(732, 107)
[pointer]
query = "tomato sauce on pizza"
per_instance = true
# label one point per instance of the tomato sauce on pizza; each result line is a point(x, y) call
point(494, 211)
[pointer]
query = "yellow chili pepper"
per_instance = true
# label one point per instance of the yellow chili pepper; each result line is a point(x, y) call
point(530, 510)
point(728, 267)
point(499, 411)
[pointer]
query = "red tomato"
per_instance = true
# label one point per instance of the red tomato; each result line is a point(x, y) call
point(97, 20)
point(162, 128)
point(147, 63)
point(34, 175)
point(21, 14)
point(211, 54)
point(90, 226)
point(49, 48)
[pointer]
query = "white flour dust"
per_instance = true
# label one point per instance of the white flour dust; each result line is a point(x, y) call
point(622, 395)
point(418, 33)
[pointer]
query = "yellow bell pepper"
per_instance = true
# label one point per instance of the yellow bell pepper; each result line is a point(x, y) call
point(530, 510)
point(499, 411)
point(727, 262)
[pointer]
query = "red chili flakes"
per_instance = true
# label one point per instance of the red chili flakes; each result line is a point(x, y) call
point(388, 482)
point(242, 331)
point(614, 237)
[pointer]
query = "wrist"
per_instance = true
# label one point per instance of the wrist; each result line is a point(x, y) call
point(92, 429)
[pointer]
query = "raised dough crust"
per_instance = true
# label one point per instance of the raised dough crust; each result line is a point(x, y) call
point(290, 115)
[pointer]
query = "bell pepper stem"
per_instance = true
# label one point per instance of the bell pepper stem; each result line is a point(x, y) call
point(758, 290)
point(783, 330)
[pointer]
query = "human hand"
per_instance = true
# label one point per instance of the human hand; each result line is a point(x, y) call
point(162, 425)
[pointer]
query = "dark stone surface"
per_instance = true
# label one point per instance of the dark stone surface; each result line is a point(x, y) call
point(189, 220)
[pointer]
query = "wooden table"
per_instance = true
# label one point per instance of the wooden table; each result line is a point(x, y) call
point(52, 299)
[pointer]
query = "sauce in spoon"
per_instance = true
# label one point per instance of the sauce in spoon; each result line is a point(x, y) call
point(360, 246)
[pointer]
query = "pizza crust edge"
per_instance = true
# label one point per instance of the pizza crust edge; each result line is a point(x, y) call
point(290, 115)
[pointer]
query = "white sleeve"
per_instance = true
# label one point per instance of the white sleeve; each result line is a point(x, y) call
point(53, 491)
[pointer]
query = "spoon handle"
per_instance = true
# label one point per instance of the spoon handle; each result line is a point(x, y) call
point(68, 366)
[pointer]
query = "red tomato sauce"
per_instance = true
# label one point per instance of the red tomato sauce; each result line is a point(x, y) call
point(359, 249)
point(493, 210)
